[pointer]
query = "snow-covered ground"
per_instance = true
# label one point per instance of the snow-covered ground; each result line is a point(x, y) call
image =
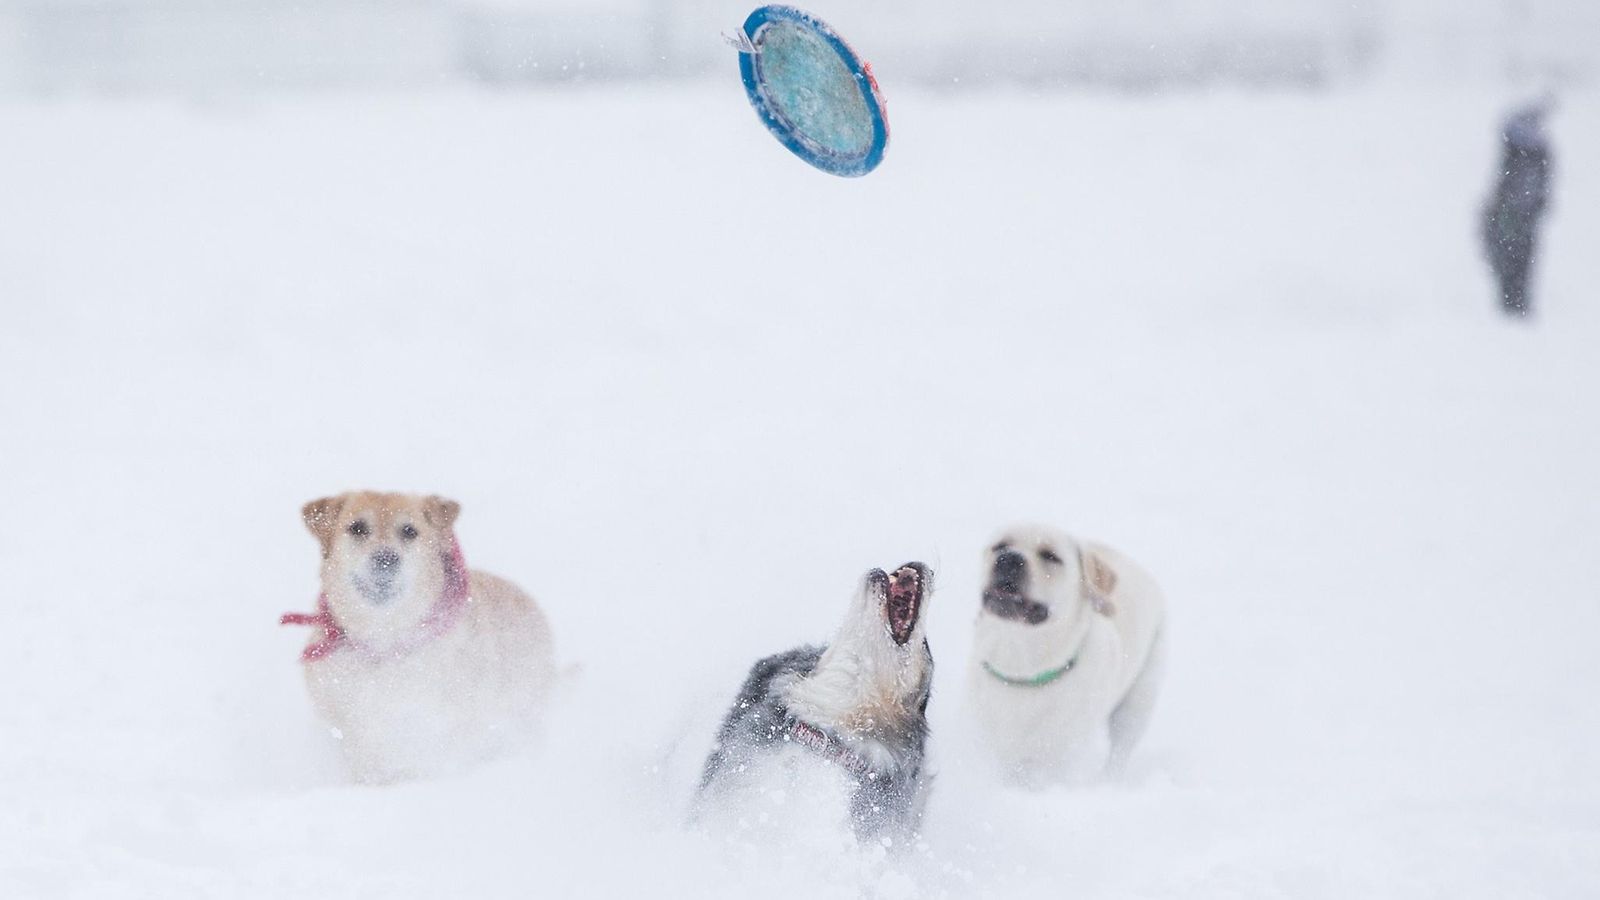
point(687, 390)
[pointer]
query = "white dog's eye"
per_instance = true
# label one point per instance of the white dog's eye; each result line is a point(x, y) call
point(408, 532)
point(1049, 556)
point(359, 528)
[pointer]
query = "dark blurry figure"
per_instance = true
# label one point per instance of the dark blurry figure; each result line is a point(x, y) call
point(1511, 217)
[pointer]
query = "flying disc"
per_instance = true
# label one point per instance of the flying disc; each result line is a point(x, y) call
point(812, 91)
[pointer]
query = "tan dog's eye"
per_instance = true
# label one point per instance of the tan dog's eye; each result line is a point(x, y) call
point(1049, 556)
point(408, 532)
point(359, 528)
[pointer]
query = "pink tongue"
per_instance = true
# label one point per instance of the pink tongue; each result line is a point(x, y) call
point(904, 590)
point(903, 587)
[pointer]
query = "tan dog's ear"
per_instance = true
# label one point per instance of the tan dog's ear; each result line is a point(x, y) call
point(439, 512)
point(321, 517)
point(1102, 580)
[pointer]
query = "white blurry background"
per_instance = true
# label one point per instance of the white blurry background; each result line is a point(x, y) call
point(1198, 278)
point(206, 46)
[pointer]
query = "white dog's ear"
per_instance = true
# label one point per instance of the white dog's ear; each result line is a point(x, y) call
point(321, 517)
point(1101, 580)
point(439, 512)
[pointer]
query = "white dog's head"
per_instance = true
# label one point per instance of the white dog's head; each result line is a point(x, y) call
point(1037, 573)
point(386, 558)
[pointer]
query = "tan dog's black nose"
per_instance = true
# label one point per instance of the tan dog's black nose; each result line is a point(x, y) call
point(384, 560)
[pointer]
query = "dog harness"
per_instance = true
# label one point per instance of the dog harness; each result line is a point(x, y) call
point(820, 742)
point(451, 603)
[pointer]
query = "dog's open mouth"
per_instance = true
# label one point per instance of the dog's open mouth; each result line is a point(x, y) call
point(1015, 606)
point(902, 600)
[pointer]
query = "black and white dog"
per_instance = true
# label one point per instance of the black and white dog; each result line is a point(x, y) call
point(836, 731)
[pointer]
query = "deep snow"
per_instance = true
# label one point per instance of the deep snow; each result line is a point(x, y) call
point(688, 389)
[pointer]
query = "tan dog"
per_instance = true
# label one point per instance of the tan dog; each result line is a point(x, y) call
point(1066, 655)
point(419, 664)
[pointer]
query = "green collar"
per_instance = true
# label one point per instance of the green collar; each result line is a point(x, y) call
point(1039, 680)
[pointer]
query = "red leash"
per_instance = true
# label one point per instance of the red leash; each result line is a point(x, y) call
point(448, 608)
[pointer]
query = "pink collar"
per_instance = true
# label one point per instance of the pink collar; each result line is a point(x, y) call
point(446, 610)
point(815, 739)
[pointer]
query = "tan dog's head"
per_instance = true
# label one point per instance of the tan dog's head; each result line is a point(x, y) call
point(1037, 573)
point(384, 558)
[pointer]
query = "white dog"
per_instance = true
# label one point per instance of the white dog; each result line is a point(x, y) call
point(419, 664)
point(1066, 656)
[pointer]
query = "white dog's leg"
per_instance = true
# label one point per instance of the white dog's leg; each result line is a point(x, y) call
point(1132, 714)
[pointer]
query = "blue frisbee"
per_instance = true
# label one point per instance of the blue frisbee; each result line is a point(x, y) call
point(812, 91)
